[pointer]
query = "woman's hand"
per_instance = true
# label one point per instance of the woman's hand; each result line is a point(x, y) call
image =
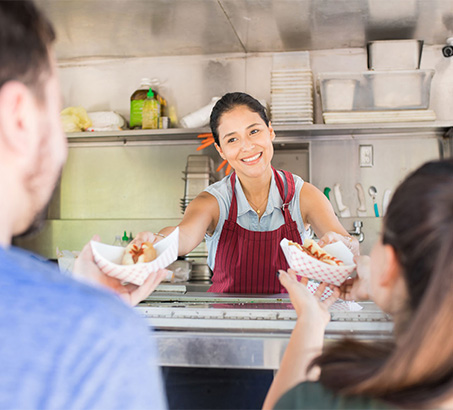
point(147, 237)
point(307, 337)
point(358, 288)
point(86, 269)
point(305, 303)
point(331, 237)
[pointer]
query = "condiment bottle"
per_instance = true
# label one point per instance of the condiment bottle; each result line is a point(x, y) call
point(117, 241)
point(151, 111)
point(137, 100)
point(125, 239)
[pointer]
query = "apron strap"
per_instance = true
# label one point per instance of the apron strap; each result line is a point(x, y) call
point(233, 214)
point(289, 194)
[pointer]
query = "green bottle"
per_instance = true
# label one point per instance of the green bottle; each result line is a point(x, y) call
point(138, 98)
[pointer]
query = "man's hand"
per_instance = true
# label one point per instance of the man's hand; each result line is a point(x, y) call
point(86, 269)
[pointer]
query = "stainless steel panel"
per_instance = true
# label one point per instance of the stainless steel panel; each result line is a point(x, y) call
point(230, 331)
point(138, 182)
point(217, 350)
point(137, 28)
point(233, 350)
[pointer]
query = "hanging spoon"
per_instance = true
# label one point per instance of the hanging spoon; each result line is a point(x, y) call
point(373, 191)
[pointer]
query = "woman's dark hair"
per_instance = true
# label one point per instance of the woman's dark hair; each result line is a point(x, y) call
point(25, 38)
point(230, 101)
point(417, 370)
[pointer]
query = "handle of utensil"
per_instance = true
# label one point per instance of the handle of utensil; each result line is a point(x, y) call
point(342, 208)
point(337, 193)
point(361, 196)
point(327, 192)
point(376, 211)
point(385, 201)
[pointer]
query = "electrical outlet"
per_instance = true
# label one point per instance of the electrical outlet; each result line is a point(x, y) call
point(366, 155)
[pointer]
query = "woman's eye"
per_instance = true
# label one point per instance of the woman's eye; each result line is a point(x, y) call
point(231, 140)
point(254, 131)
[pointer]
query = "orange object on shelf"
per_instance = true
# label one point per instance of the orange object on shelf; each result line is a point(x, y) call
point(206, 142)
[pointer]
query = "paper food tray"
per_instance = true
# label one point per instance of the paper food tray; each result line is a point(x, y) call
point(311, 268)
point(108, 258)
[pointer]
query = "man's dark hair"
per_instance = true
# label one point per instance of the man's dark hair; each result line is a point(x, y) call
point(25, 37)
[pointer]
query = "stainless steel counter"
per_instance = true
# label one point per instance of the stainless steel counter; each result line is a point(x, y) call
point(242, 331)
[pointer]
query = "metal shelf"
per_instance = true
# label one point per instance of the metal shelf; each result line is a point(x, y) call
point(286, 134)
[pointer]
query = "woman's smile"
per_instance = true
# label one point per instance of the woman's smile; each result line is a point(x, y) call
point(252, 160)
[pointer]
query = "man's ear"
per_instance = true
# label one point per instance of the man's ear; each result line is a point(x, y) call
point(392, 269)
point(219, 150)
point(17, 117)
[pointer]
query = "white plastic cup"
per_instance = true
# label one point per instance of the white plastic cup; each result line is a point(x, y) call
point(199, 118)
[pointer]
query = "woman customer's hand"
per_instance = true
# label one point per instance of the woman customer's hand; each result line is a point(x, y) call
point(332, 237)
point(307, 337)
point(86, 269)
point(305, 303)
point(357, 288)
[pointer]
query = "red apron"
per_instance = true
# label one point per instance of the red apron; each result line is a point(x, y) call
point(247, 261)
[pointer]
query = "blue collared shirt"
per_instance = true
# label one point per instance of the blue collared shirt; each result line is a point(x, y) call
point(271, 219)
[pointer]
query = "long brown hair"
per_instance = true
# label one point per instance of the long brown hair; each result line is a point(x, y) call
point(416, 371)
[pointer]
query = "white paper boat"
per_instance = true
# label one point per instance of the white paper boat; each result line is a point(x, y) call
point(312, 268)
point(108, 258)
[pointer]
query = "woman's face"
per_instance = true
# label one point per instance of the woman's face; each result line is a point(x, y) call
point(245, 141)
point(386, 285)
point(377, 266)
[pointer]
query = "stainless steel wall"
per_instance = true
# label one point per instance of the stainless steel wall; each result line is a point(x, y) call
point(109, 189)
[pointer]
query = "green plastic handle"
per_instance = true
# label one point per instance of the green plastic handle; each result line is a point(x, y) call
point(327, 192)
point(376, 212)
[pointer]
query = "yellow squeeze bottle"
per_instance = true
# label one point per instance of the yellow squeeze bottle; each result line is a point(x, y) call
point(151, 111)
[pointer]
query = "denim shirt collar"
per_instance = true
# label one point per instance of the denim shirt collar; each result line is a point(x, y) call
point(274, 200)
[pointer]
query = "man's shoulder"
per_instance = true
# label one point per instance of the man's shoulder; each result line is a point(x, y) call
point(77, 342)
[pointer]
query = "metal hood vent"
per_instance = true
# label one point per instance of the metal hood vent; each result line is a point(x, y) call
point(140, 28)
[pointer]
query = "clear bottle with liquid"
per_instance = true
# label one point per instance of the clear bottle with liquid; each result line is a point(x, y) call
point(151, 111)
point(117, 241)
point(138, 99)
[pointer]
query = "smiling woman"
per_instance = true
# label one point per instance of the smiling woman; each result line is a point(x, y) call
point(245, 215)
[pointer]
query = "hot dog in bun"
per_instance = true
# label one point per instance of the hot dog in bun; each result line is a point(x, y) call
point(139, 254)
point(311, 248)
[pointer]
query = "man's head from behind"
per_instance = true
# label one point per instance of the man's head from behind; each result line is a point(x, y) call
point(32, 144)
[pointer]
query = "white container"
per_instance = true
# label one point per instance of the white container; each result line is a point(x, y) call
point(401, 89)
point(375, 90)
point(394, 54)
point(199, 118)
point(339, 94)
